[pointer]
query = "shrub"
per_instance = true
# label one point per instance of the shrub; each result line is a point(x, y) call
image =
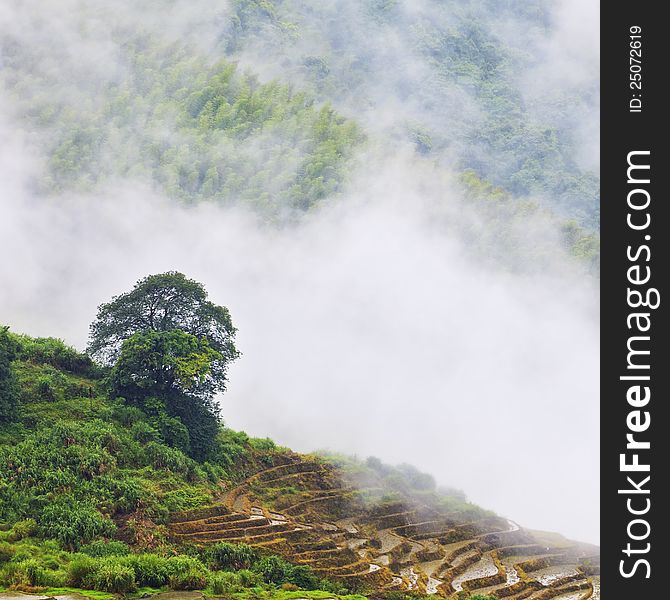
point(248, 578)
point(7, 552)
point(231, 556)
point(225, 582)
point(289, 587)
point(13, 575)
point(126, 415)
point(165, 458)
point(101, 548)
point(273, 569)
point(303, 577)
point(56, 353)
point(174, 432)
point(56, 578)
point(34, 571)
point(22, 529)
point(72, 522)
point(182, 563)
point(45, 389)
point(31, 573)
point(186, 573)
point(112, 576)
point(150, 569)
point(192, 579)
point(144, 433)
point(262, 444)
point(9, 386)
point(22, 553)
point(81, 570)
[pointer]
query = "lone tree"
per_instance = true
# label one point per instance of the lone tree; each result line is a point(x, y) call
point(169, 348)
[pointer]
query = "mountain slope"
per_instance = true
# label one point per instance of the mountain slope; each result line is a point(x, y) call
point(89, 484)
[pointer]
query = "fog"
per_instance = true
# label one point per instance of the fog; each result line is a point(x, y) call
point(375, 326)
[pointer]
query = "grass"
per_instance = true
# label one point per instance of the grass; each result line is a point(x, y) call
point(279, 594)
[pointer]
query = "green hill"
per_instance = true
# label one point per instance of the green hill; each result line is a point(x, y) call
point(93, 497)
point(339, 83)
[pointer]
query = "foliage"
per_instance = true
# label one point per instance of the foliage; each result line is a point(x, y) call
point(70, 490)
point(231, 556)
point(499, 126)
point(186, 573)
point(170, 348)
point(9, 390)
point(155, 364)
point(276, 570)
point(101, 548)
point(168, 375)
point(163, 303)
point(239, 141)
point(56, 353)
point(72, 522)
point(111, 576)
point(223, 583)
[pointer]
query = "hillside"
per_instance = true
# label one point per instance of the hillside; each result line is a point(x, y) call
point(281, 107)
point(92, 497)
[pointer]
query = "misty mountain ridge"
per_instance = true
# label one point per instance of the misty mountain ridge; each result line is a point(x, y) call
point(182, 107)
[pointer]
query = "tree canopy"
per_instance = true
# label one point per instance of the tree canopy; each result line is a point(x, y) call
point(165, 362)
point(163, 302)
point(169, 348)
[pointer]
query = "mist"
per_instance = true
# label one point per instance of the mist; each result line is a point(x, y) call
point(374, 326)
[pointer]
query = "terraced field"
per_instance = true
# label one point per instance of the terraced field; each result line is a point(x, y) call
point(313, 514)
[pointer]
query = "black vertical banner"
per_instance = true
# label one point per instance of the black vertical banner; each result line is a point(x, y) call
point(635, 433)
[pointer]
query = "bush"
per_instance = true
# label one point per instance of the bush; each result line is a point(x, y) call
point(186, 573)
point(56, 353)
point(45, 389)
point(174, 432)
point(22, 529)
point(231, 556)
point(150, 569)
point(192, 579)
point(13, 575)
point(225, 582)
point(126, 415)
point(144, 433)
point(112, 576)
point(303, 577)
point(262, 444)
point(7, 552)
point(101, 548)
point(31, 573)
point(81, 570)
point(273, 569)
point(72, 522)
point(289, 587)
point(168, 459)
point(9, 386)
point(248, 578)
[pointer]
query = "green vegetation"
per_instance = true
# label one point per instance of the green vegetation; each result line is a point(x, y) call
point(9, 389)
point(169, 349)
point(197, 131)
point(459, 71)
point(89, 478)
point(201, 129)
point(89, 481)
point(117, 494)
point(495, 206)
